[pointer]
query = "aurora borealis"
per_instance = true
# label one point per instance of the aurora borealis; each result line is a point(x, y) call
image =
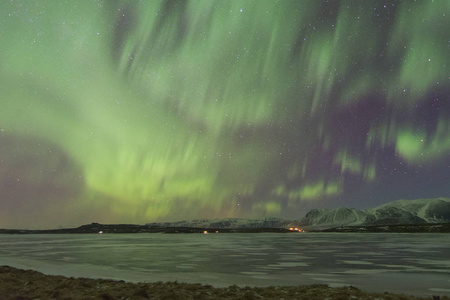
point(143, 111)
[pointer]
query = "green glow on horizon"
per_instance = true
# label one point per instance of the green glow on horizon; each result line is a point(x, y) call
point(269, 208)
point(316, 191)
point(370, 173)
point(424, 65)
point(217, 108)
point(418, 147)
point(348, 163)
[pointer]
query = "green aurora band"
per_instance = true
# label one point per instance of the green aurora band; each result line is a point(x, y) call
point(139, 111)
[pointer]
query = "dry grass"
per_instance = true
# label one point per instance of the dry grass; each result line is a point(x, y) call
point(18, 284)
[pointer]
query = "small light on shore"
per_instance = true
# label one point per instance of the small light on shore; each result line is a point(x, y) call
point(205, 232)
point(296, 229)
point(100, 232)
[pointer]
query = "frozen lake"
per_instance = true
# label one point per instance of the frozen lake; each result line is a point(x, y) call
point(403, 263)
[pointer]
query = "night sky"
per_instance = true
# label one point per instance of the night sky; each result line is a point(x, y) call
point(145, 111)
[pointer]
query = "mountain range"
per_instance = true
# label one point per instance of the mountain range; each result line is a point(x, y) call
point(423, 215)
point(421, 211)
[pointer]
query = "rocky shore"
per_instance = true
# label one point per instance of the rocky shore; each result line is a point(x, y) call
point(18, 284)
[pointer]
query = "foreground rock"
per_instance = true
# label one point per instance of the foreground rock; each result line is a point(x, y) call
point(20, 284)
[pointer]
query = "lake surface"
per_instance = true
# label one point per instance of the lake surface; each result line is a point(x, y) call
point(402, 263)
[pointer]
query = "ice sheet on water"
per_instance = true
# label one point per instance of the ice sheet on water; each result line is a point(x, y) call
point(253, 273)
point(356, 262)
point(430, 262)
point(440, 290)
point(187, 266)
point(361, 271)
point(258, 259)
point(289, 264)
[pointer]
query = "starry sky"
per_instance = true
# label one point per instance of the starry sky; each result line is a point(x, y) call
point(145, 111)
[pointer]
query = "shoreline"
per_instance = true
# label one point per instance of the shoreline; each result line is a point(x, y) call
point(95, 228)
point(28, 284)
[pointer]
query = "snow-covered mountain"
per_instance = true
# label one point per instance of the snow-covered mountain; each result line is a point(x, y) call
point(230, 223)
point(397, 212)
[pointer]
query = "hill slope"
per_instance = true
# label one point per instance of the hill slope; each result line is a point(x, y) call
point(397, 212)
point(419, 211)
